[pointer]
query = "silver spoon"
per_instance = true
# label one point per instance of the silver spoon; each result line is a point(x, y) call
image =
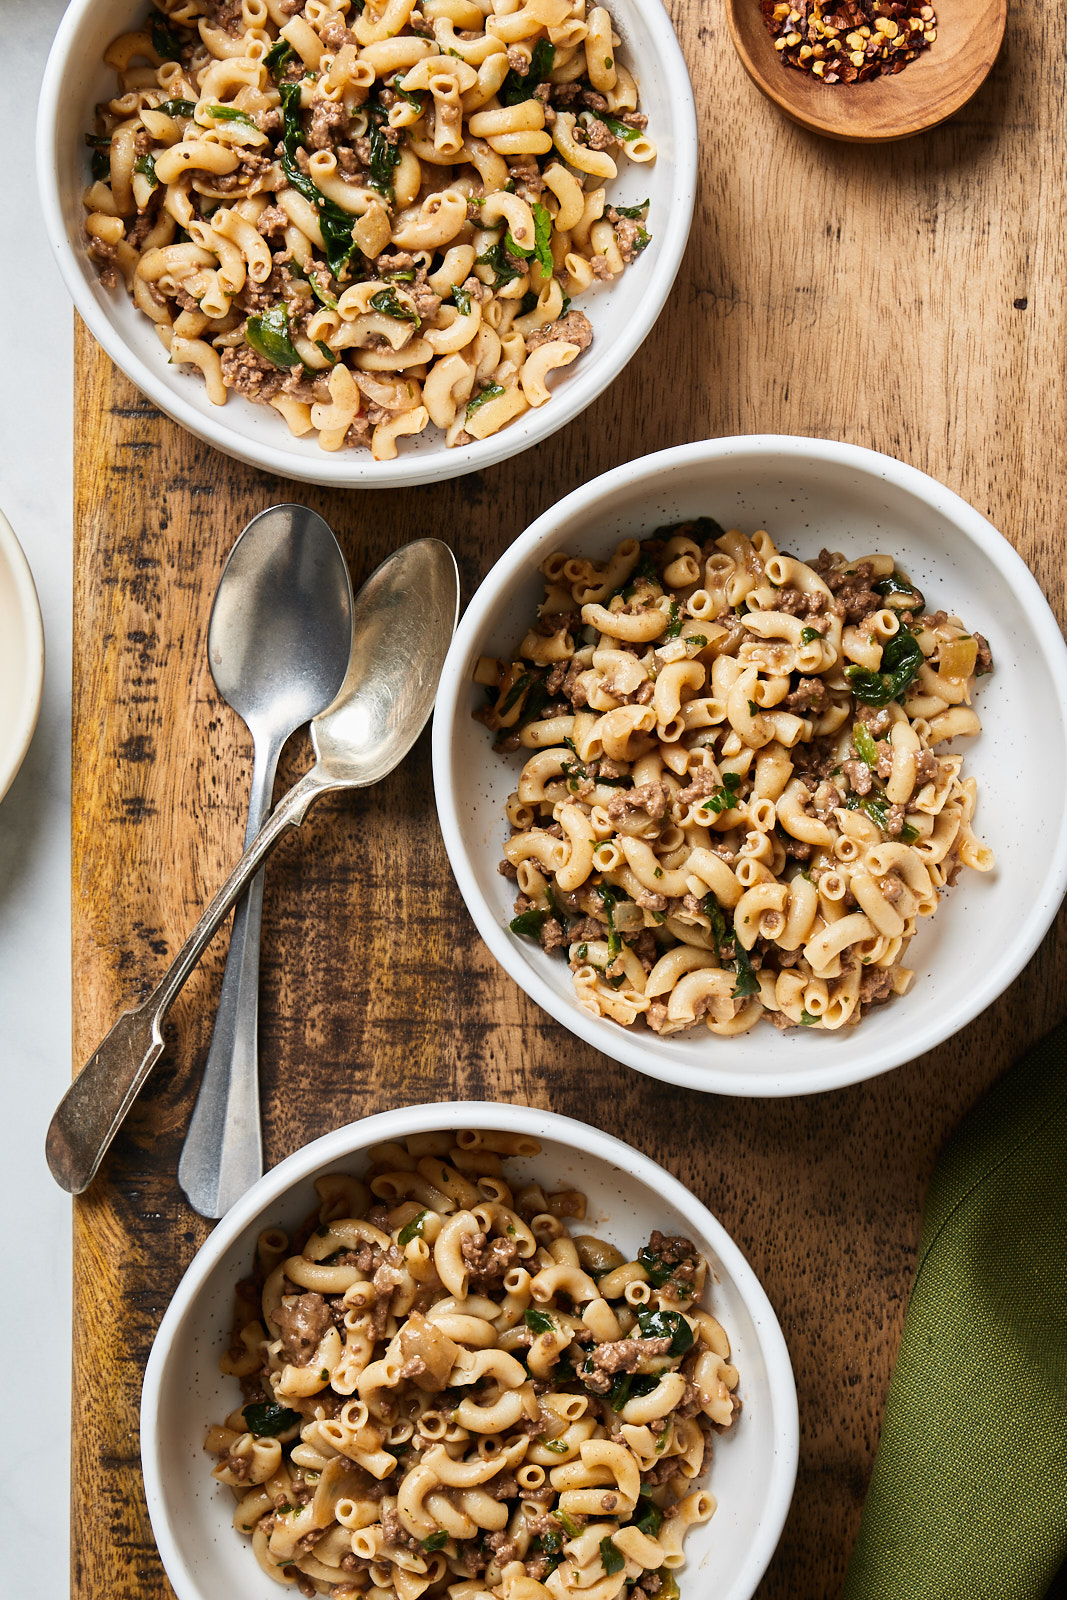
point(279, 642)
point(403, 620)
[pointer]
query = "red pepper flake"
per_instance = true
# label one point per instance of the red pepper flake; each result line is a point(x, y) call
point(849, 41)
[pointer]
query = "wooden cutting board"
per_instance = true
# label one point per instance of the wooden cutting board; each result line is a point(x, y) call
point(906, 298)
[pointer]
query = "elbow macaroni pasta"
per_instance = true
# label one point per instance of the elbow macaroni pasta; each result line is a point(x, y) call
point(729, 806)
point(373, 217)
point(458, 1398)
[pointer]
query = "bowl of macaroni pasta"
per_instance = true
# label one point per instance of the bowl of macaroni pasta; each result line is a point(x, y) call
point(468, 1350)
point(728, 753)
point(368, 245)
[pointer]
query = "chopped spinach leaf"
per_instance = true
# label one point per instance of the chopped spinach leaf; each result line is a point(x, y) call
point(647, 1516)
point(866, 748)
point(503, 271)
point(266, 1421)
point(436, 1541)
point(542, 236)
point(412, 1230)
point(807, 1020)
point(388, 302)
point(231, 114)
point(146, 166)
point(384, 158)
point(571, 1528)
point(278, 56)
point(529, 925)
point(611, 1556)
point(462, 298)
point(609, 900)
point(809, 635)
point(269, 337)
point(100, 166)
point(492, 391)
point(659, 1271)
point(897, 584)
point(174, 108)
point(878, 811)
point(747, 981)
point(519, 86)
point(165, 42)
point(538, 1321)
point(901, 660)
point(635, 213)
point(666, 1325)
point(674, 622)
point(621, 130)
point(557, 1446)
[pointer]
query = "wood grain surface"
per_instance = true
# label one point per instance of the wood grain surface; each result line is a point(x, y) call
point(908, 298)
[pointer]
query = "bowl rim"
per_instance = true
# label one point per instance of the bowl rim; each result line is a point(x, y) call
point(617, 1042)
point(13, 557)
point(342, 1144)
point(356, 469)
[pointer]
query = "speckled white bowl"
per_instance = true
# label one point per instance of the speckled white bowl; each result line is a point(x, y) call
point(622, 313)
point(754, 1468)
point(807, 493)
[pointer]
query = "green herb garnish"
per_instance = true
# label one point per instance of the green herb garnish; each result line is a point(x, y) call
point(269, 337)
point(726, 796)
point(901, 660)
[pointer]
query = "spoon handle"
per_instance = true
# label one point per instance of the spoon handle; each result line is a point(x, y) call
point(223, 1151)
point(94, 1107)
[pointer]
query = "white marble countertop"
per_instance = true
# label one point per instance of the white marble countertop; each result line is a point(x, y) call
point(35, 494)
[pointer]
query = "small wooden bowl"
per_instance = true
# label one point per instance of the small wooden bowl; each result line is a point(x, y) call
point(929, 89)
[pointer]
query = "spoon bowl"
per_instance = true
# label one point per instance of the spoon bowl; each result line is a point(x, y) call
point(403, 620)
point(929, 89)
point(279, 643)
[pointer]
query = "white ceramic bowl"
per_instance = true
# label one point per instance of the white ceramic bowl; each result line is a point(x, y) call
point(622, 314)
point(21, 655)
point(754, 1467)
point(807, 493)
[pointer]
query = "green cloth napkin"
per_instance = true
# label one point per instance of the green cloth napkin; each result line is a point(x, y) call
point(968, 1498)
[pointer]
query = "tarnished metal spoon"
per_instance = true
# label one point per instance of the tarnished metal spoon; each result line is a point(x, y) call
point(279, 642)
point(403, 620)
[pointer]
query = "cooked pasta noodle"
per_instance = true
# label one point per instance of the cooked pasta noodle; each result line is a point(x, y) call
point(363, 190)
point(456, 1399)
point(730, 807)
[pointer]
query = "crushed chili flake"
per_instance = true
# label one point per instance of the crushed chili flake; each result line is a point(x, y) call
point(849, 41)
